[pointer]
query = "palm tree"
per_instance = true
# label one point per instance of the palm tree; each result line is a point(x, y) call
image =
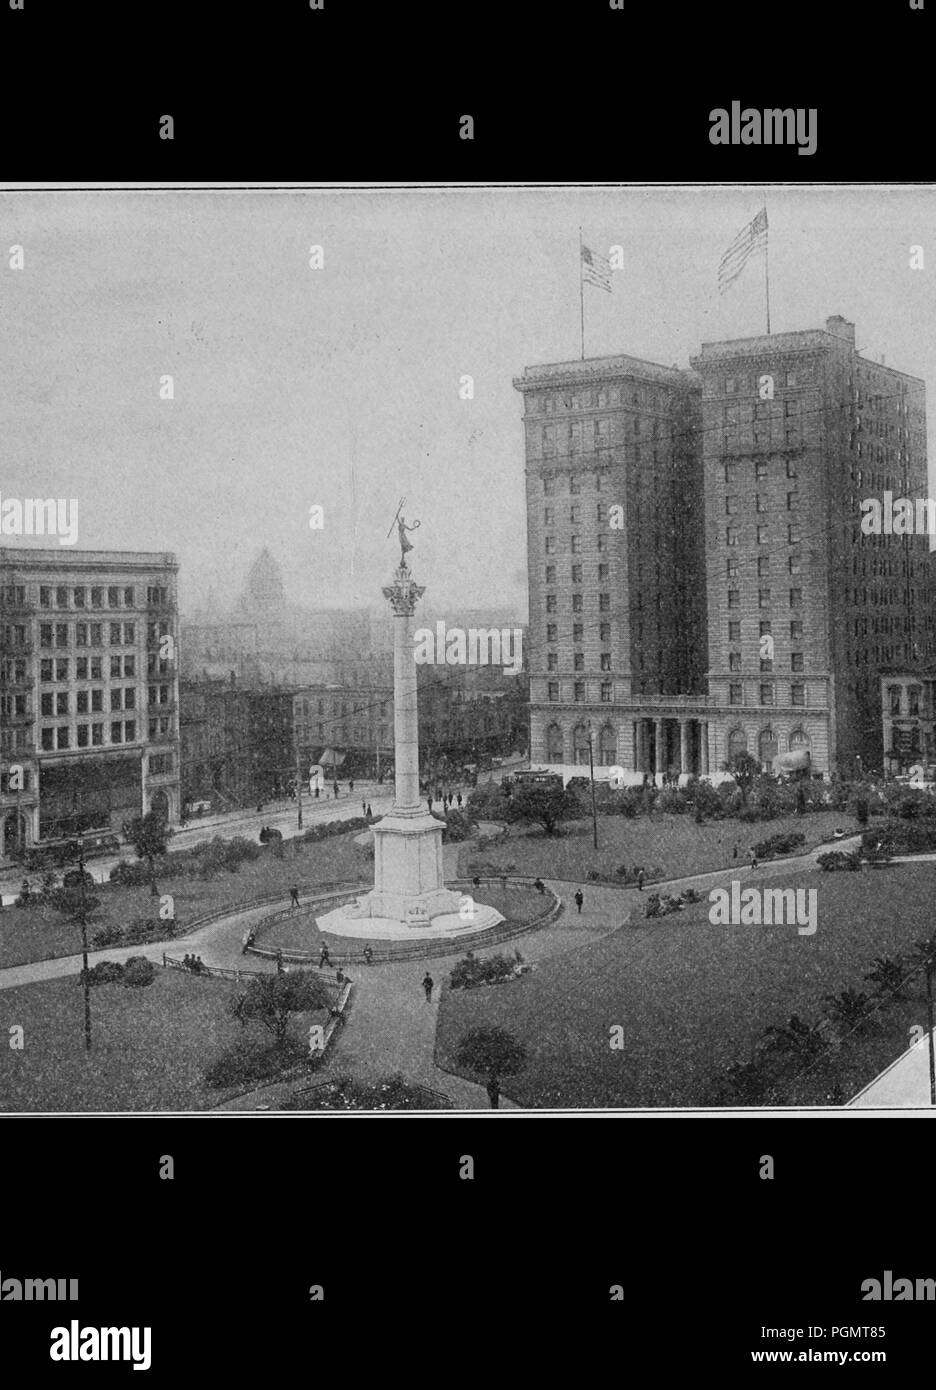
point(494, 1053)
point(889, 976)
point(796, 1037)
point(849, 1008)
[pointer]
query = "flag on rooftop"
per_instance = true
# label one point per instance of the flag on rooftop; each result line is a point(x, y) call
point(750, 239)
point(595, 270)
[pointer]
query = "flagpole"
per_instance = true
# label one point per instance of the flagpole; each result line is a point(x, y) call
point(767, 266)
point(581, 295)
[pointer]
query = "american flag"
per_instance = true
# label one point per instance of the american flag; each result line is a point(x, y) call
point(595, 270)
point(750, 239)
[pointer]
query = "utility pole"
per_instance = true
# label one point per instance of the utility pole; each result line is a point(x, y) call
point(930, 966)
point(591, 773)
point(298, 783)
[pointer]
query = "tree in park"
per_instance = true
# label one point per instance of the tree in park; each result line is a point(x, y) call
point(79, 909)
point(149, 836)
point(491, 1051)
point(545, 806)
point(745, 770)
point(273, 999)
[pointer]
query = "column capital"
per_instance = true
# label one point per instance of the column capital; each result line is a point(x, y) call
point(404, 592)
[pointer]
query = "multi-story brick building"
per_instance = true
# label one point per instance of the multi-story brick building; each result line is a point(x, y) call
point(88, 691)
point(740, 605)
point(908, 712)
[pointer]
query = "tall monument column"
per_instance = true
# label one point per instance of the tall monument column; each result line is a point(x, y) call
point(409, 893)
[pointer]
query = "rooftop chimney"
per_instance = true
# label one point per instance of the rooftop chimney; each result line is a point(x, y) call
point(841, 328)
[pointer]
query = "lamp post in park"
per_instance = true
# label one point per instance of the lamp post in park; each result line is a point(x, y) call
point(591, 773)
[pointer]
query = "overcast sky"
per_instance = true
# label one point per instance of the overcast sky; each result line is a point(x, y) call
point(340, 387)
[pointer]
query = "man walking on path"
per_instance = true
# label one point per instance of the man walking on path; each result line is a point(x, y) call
point(350, 788)
point(493, 1090)
point(368, 812)
point(294, 895)
point(753, 860)
point(427, 983)
point(324, 958)
point(458, 799)
point(335, 789)
point(579, 900)
point(640, 880)
point(279, 962)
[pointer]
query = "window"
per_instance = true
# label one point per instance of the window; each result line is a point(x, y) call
point(605, 692)
point(760, 502)
point(549, 516)
point(97, 701)
point(764, 628)
point(763, 598)
point(45, 634)
point(766, 666)
point(551, 602)
point(61, 702)
point(45, 669)
point(606, 661)
point(45, 596)
point(734, 632)
point(736, 693)
point(793, 536)
point(578, 661)
point(731, 535)
point(576, 603)
point(81, 635)
point(81, 702)
point(61, 736)
point(575, 544)
point(95, 634)
point(913, 697)
point(129, 666)
point(601, 542)
point(96, 668)
point(797, 694)
point(734, 661)
point(47, 739)
point(576, 574)
point(730, 385)
point(579, 691)
point(732, 569)
point(763, 565)
point(116, 698)
point(760, 470)
point(97, 735)
point(604, 603)
point(97, 598)
point(794, 564)
point(81, 668)
point(796, 661)
point(578, 631)
point(549, 487)
point(116, 732)
point(791, 500)
point(550, 546)
point(734, 598)
point(550, 574)
point(552, 662)
point(61, 668)
point(575, 484)
point(61, 596)
point(551, 632)
point(45, 705)
point(604, 632)
point(602, 573)
point(796, 631)
point(129, 731)
point(78, 597)
point(796, 598)
point(553, 690)
point(115, 634)
point(575, 514)
point(82, 732)
point(731, 505)
point(762, 535)
point(766, 694)
point(791, 468)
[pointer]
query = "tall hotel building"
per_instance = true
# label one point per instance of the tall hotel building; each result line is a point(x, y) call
point(88, 692)
point(745, 608)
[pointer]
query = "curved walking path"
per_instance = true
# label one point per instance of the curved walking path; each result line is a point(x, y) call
point(391, 1027)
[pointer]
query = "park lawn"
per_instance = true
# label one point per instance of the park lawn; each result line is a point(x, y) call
point(39, 933)
point(692, 997)
point(300, 933)
point(151, 1045)
point(672, 845)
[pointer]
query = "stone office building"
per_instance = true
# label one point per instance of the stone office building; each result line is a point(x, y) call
point(733, 602)
point(88, 692)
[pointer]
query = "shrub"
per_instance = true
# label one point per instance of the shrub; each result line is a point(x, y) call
point(109, 935)
point(837, 860)
point(106, 972)
point(139, 971)
point(457, 828)
point(492, 970)
point(248, 1062)
point(776, 845)
point(134, 875)
point(899, 837)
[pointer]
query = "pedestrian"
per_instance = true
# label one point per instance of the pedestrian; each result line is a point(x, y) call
point(540, 886)
point(579, 899)
point(427, 984)
point(753, 860)
point(279, 962)
point(429, 802)
point(335, 788)
point(316, 791)
point(368, 813)
point(477, 880)
point(459, 800)
point(640, 880)
point(363, 808)
point(351, 788)
point(493, 1090)
point(368, 955)
point(324, 958)
point(735, 854)
point(503, 883)
point(294, 895)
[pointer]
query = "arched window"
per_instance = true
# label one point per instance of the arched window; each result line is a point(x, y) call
point(607, 747)
point(737, 742)
point(554, 744)
point(580, 745)
point(798, 739)
point(766, 747)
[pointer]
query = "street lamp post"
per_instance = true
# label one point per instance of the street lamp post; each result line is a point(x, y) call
point(591, 773)
point(82, 922)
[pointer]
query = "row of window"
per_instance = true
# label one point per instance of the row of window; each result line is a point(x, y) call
point(766, 693)
point(761, 502)
point(552, 604)
point(745, 381)
point(87, 634)
point(766, 666)
point(765, 629)
point(62, 596)
point(575, 483)
point(645, 396)
point(764, 598)
point(58, 669)
point(603, 574)
point(761, 469)
point(575, 515)
point(578, 691)
point(86, 701)
point(732, 535)
point(86, 735)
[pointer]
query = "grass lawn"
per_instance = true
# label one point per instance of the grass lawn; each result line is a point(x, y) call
point(692, 997)
point(302, 934)
point(151, 1046)
point(673, 845)
point(39, 933)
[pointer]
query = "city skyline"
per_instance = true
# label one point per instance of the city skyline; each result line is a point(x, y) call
point(419, 289)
